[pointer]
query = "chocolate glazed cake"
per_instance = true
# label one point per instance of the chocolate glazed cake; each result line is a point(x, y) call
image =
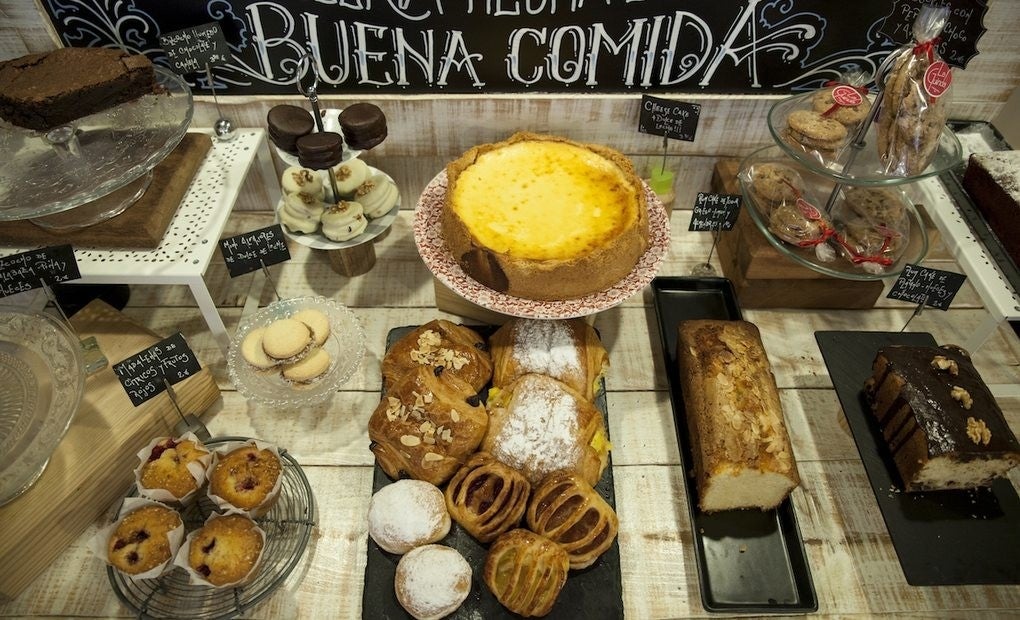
point(941, 423)
point(43, 91)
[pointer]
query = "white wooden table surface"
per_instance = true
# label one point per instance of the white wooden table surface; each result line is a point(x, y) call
point(853, 563)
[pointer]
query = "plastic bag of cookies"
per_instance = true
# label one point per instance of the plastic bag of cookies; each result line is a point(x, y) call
point(845, 101)
point(872, 227)
point(916, 99)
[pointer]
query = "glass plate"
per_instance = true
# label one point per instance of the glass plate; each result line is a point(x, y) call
point(42, 379)
point(346, 346)
point(432, 248)
point(821, 187)
point(288, 526)
point(319, 241)
point(864, 168)
point(116, 146)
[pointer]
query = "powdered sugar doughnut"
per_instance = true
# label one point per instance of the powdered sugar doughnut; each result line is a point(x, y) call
point(432, 581)
point(407, 514)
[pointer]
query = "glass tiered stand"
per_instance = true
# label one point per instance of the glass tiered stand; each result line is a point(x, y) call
point(856, 165)
point(94, 168)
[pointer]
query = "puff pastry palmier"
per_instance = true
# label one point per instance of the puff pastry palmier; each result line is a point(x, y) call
point(525, 572)
point(426, 426)
point(567, 350)
point(458, 350)
point(568, 511)
point(486, 497)
point(539, 425)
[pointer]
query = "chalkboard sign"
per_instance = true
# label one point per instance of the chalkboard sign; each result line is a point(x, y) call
point(191, 49)
point(672, 119)
point(958, 41)
point(715, 211)
point(142, 374)
point(249, 251)
point(511, 46)
point(28, 270)
point(932, 287)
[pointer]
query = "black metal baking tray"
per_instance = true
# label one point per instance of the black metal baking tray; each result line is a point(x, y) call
point(952, 180)
point(594, 592)
point(941, 537)
point(749, 561)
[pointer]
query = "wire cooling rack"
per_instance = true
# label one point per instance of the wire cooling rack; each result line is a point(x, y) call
point(288, 526)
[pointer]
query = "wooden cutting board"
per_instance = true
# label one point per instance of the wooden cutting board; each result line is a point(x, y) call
point(92, 466)
point(143, 224)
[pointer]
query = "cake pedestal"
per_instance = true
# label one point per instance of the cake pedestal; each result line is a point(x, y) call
point(764, 278)
point(353, 261)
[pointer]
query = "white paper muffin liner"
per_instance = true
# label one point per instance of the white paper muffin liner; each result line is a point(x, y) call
point(267, 503)
point(197, 468)
point(194, 577)
point(98, 543)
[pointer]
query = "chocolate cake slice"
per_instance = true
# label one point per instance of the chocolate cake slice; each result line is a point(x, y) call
point(939, 419)
point(993, 182)
point(42, 91)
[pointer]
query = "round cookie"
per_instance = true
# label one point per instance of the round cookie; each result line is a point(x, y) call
point(823, 103)
point(344, 220)
point(363, 125)
point(377, 196)
point(140, 542)
point(286, 338)
point(298, 180)
point(349, 175)
point(815, 131)
point(316, 321)
point(774, 184)
point(252, 352)
point(309, 368)
point(878, 205)
point(407, 514)
point(432, 582)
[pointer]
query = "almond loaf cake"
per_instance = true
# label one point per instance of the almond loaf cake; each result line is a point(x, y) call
point(940, 421)
point(741, 451)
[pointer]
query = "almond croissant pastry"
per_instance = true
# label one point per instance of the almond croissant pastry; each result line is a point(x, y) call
point(426, 426)
point(486, 497)
point(458, 350)
point(568, 511)
point(525, 572)
point(566, 350)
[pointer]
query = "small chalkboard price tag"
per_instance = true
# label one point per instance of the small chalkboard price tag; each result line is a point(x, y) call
point(958, 42)
point(715, 212)
point(249, 251)
point(142, 374)
point(672, 119)
point(191, 49)
point(923, 285)
point(29, 270)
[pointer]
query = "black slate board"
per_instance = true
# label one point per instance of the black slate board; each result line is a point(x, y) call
point(749, 561)
point(941, 537)
point(594, 592)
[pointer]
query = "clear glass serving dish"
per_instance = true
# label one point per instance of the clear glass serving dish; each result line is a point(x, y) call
point(346, 347)
point(817, 189)
point(42, 380)
point(92, 157)
point(857, 164)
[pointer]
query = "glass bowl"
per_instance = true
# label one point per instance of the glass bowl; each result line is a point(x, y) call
point(858, 165)
point(43, 379)
point(345, 345)
point(820, 187)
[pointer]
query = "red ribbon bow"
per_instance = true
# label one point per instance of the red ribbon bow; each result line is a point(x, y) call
point(928, 48)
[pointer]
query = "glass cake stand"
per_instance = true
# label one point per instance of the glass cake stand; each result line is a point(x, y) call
point(92, 169)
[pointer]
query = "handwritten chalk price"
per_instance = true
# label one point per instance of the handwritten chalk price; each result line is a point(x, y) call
point(672, 119)
point(715, 212)
point(923, 285)
point(191, 49)
point(958, 42)
point(249, 251)
point(28, 270)
point(142, 374)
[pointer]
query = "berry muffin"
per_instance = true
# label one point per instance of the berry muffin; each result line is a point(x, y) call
point(144, 538)
point(247, 478)
point(226, 550)
point(172, 469)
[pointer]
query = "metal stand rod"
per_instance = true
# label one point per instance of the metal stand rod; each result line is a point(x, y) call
point(313, 97)
point(269, 279)
point(917, 312)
